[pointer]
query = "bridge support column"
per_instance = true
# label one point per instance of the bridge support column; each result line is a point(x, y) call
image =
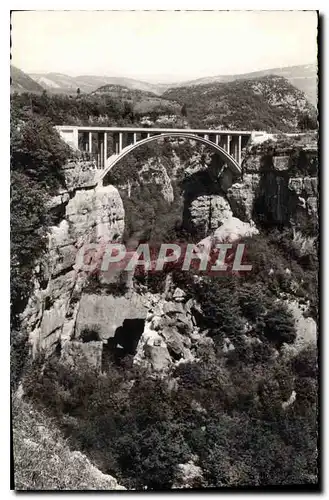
point(206, 136)
point(130, 139)
point(148, 134)
point(105, 150)
point(85, 141)
point(217, 139)
point(233, 146)
point(75, 136)
point(228, 140)
point(100, 150)
point(135, 137)
point(116, 143)
point(239, 149)
point(120, 142)
point(90, 148)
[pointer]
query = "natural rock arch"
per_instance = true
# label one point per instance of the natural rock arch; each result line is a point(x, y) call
point(230, 161)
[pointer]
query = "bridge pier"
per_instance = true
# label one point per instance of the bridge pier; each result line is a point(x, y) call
point(117, 141)
point(85, 141)
point(100, 155)
point(105, 150)
point(120, 142)
point(233, 147)
point(228, 141)
point(239, 150)
point(90, 148)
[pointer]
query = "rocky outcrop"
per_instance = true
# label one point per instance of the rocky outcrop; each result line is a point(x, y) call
point(104, 314)
point(279, 182)
point(80, 173)
point(155, 172)
point(231, 230)
point(89, 216)
point(209, 212)
point(171, 334)
point(306, 328)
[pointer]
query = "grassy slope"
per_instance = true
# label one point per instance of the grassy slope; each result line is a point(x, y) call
point(21, 82)
point(43, 460)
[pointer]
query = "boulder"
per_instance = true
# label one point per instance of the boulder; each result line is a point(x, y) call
point(173, 308)
point(174, 340)
point(188, 475)
point(179, 295)
point(234, 229)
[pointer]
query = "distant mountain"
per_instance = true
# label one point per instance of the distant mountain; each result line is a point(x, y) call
point(268, 103)
point(60, 83)
point(303, 77)
point(21, 82)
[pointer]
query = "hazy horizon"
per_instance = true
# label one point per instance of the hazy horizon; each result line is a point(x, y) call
point(156, 81)
point(177, 45)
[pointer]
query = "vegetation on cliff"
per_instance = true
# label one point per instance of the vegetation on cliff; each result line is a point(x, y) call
point(230, 410)
point(37, 157)
point(225, 412)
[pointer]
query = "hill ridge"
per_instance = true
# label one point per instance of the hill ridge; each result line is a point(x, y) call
point(303, 77)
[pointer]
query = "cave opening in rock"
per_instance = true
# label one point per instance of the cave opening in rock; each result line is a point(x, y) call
point(125, 341)
point(127, 336)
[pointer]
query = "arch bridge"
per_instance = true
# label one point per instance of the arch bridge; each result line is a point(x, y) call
point(228, 144)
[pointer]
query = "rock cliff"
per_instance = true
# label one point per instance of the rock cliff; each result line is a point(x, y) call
point(89, 215)
point(278, 186)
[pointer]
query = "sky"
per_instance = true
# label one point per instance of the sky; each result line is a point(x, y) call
point(161, 46)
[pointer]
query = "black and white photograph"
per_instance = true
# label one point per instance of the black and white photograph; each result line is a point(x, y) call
point(164, 250)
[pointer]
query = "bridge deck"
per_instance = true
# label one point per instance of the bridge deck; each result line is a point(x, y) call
point(152, 130)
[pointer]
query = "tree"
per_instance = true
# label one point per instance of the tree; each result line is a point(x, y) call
point(38, 151)
point(78, 92)
point(184, 110)
point(307, 122)
point(220, 307)
point(280, 326)
point(252, 301)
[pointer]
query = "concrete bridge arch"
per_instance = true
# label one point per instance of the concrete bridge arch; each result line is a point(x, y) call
point(232, 164)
